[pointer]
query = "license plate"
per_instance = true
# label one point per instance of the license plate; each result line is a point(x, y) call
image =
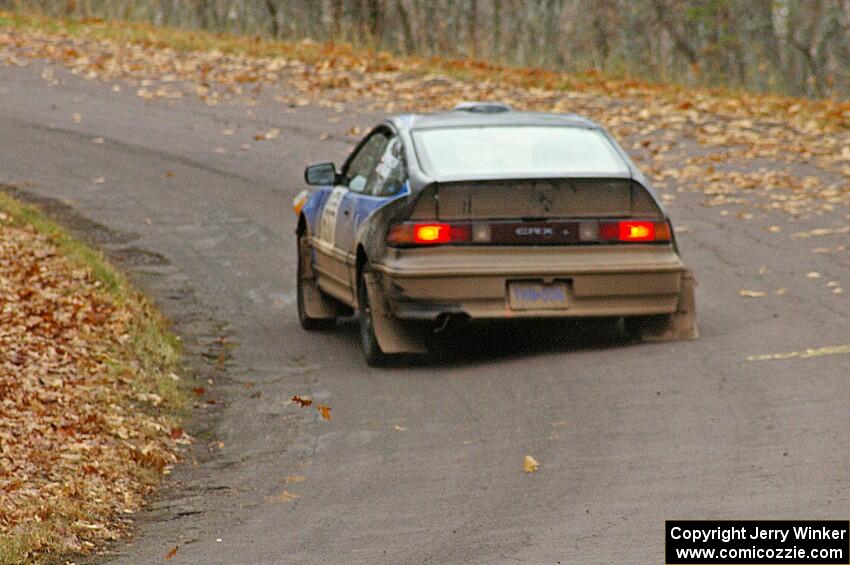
point(537, 296)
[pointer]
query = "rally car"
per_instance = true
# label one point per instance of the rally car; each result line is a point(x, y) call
point(480, 213)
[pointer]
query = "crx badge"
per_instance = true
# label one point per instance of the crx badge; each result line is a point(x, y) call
point(535, 231)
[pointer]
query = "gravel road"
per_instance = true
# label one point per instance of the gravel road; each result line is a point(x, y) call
point(422, 462)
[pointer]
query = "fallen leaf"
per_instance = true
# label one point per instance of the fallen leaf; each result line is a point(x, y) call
point(304, 402)
point(751, 293)
point(822, 231)
point(399, 428)
point(808, 353)
point(324, 410)
point(813, 275)
point(286, 496)
point(99, 180)
point(172, 552)
point(530, 464)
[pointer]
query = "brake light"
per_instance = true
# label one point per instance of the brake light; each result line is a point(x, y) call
point(634, 231)
point(528, 233)
point(637, 231)
point(431, 233)
point(428, 234)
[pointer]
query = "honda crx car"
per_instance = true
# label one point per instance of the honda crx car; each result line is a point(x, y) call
point(486, 213)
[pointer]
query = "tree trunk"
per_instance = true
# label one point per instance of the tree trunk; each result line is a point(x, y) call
point(376, 28)
point(337, 20)
point(496, 32)
point(472, 28)
point(406, 29)
point(678, 39)
point(271, 6)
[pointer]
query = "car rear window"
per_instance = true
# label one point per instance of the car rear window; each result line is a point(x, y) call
point(516, 151)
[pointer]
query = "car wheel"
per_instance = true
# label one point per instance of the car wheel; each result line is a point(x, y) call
point(303, 278)
point(637, 327)
point(368, 341)
point(632, 326)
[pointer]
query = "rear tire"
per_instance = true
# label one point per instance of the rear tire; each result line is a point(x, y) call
point(303, 278)
point(368, 342)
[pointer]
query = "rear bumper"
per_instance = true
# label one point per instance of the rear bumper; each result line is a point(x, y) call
point(422, 284)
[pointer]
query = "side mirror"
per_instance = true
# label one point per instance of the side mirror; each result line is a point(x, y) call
point(320, 174)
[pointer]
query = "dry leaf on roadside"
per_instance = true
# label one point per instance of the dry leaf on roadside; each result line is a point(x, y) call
point(751, 293)
point(530, 464)
point(324, 410)
point(273, 133)
point(172, 552)
point(304, 402)
point(808, 353)
point(64, 343)
point(287, 496)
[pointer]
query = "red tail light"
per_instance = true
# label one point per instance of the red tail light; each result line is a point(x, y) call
point(563, 232)
point(637, 231)
point(432, 233)
point(427, 234)
point(634, 231)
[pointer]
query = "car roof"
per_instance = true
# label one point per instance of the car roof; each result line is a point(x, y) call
point(462, 118)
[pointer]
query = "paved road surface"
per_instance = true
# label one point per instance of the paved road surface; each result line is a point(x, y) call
point(423, 463)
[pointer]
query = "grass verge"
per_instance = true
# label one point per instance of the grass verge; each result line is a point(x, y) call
point(92, 401)
point(153, 345)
